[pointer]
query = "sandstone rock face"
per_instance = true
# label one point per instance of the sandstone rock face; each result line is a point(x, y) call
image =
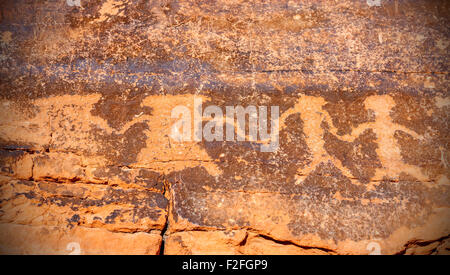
point(89, 163)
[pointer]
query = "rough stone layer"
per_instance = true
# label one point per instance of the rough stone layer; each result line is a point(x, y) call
point(88, 164)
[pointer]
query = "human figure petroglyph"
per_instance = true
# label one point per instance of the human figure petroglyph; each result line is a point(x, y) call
point(312, 114)
point(388, 149)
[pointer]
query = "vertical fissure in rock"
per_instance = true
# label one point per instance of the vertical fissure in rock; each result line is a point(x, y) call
point(163, 235)
point(167, 193)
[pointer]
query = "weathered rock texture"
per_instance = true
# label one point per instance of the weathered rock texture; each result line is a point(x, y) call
point(88, 164)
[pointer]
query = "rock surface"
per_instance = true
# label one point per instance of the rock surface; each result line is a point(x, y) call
point(89, 165)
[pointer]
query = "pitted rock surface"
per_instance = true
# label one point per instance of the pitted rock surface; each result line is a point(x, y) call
point(87, 159)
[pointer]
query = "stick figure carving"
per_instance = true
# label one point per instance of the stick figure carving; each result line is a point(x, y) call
point(388, 149)
point(312, 114)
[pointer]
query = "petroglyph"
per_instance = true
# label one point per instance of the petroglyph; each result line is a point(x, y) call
point(388, 149)
point(313, 116)
point(53, 113)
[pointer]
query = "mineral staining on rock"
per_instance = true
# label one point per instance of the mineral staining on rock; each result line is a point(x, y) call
point(88, 164)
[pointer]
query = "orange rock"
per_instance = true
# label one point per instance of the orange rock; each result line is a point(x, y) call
point(87, 154)
point(26, 239)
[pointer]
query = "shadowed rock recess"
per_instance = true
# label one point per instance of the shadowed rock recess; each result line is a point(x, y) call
point(88, 164)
